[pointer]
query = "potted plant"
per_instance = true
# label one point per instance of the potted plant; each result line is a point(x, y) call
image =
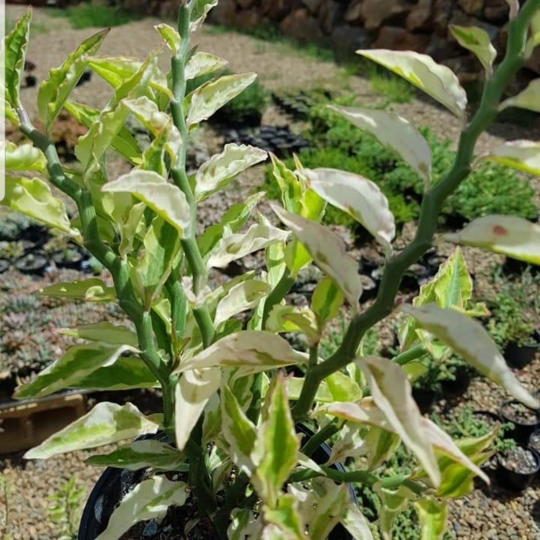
point(518, 467)
point(232, 459)
point(523, 419)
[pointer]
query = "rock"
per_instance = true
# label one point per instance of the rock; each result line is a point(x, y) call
point(249, 19)
point(443, 11)
point(439, 48)
point(313, 5)
point(354, 14)
point(350, 38)
point(245, 4)
point(275, 10)
point(496, 11)
point(398, 39)
point(301, 25)
point(329, 14)
point(472, 7)
point(376, 12)
point(224, 13)
point(420, 17)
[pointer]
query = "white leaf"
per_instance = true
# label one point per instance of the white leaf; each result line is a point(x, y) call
point(436, 80)
point(148, 500)
point(328, 252)
point(193, 391)
point(356, 524)
point(394, 132)
point(529, 98)
point(165, 199)
point(207, 99)
point(106, 423)
point(512, 236)
point(236, 246)
point(471, 341)
point(520, 155)
point(240, 298)
point(476, 40)
point(359, 197)
point(392, 394)
point(222, 168)
point(253, 350)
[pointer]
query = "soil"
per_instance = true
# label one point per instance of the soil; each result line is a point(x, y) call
point(519, 414)
point(488, 513)
point(534, 442)
point(520, 460)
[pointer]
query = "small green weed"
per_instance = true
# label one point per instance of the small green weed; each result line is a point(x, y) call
point(392, 87)
point(65, 509)
point(88, 16)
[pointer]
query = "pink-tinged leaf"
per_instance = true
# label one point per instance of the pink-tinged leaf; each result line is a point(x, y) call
point(392, 394)
point(521, 155)
point(328, 251)
point(357, 196)
point(434, 79)
point(193, 391)
point(394, 132)
point(512, 236)
point(252, 350)
point(470, 340)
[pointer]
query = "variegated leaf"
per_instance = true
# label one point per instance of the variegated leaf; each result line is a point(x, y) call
point(106, 423)
point(244, 296)
point(25, 157)
point(202, 63)
point(512, 236)
point(529, 98)
point(434, 79)
point(91, 290)
point(104, 332)
point(477, 41)
point(394, 132)
point(432, 515)
point(520, 155)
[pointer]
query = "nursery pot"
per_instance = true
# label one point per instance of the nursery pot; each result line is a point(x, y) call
point(74, 263)
point(519, 356)
point(115, 483)
point(424, 398)
point(524, 420)
point(517, 468)
point(32, 263)
point(534, 441)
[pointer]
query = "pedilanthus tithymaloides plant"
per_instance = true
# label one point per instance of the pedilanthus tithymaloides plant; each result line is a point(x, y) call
point(231, 431)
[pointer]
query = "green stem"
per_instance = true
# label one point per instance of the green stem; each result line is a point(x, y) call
point(233, 495)
point(409, 355)
point(313, 356)
point(277, 295)
point(206, 325)
point(320, 437)
point(430, 210)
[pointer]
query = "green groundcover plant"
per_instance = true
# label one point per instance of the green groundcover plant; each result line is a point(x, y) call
point(234, 391)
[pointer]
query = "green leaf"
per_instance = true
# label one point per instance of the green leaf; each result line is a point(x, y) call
point(140, 455)
point(275, 450)
point(104, 332)
point(477, 41)
point(25, 157)
point(326, 301)
point(123, 142)
point(395, 132)
point(199, 12)
point(16, 43)
point(193, 391)
point(289, 184)
point(434, 79)
point(236, 246)
point(512, 236)
point(470, 340)
point(202, 63)
point(222, 168)
point(356, 524)
point(240, 298)
point(392, 394)
point(357, 196)
point(54, 92)
point(106, 423)
point(210, 97)
point(328, 252)
point(126, 373)
point(527, 99)
point(165, 199)
point(336, 387)
point(160, 249)
point(237, 430)
point(393, 502)
point(91, 290)
point(148, 500)
point(284, 515)
point(170, 35)
point(521, 155)
point(33, 197)
point(77, 363)
point(252, 350)
point(294, 319)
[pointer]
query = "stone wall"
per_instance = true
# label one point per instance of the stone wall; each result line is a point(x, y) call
point(347, 25)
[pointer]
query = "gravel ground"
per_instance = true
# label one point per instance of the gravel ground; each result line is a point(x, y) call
point(487, 513)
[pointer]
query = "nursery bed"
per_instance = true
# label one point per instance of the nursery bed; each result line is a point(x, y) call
point(489, 513)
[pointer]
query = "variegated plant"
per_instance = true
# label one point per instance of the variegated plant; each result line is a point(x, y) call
point(231, 414)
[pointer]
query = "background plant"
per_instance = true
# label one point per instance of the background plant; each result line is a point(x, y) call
point(227, 415)
point(65, 509)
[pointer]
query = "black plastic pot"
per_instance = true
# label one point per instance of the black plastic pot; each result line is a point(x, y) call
point(415, 276)
point(519, 356)
point(460, 383)
point(522, 429)
point(514, 480)
point(32, 263)
point(424, 398)
point(4, 265)
point(73, 262)
point(114, 484)
point(369, 288)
